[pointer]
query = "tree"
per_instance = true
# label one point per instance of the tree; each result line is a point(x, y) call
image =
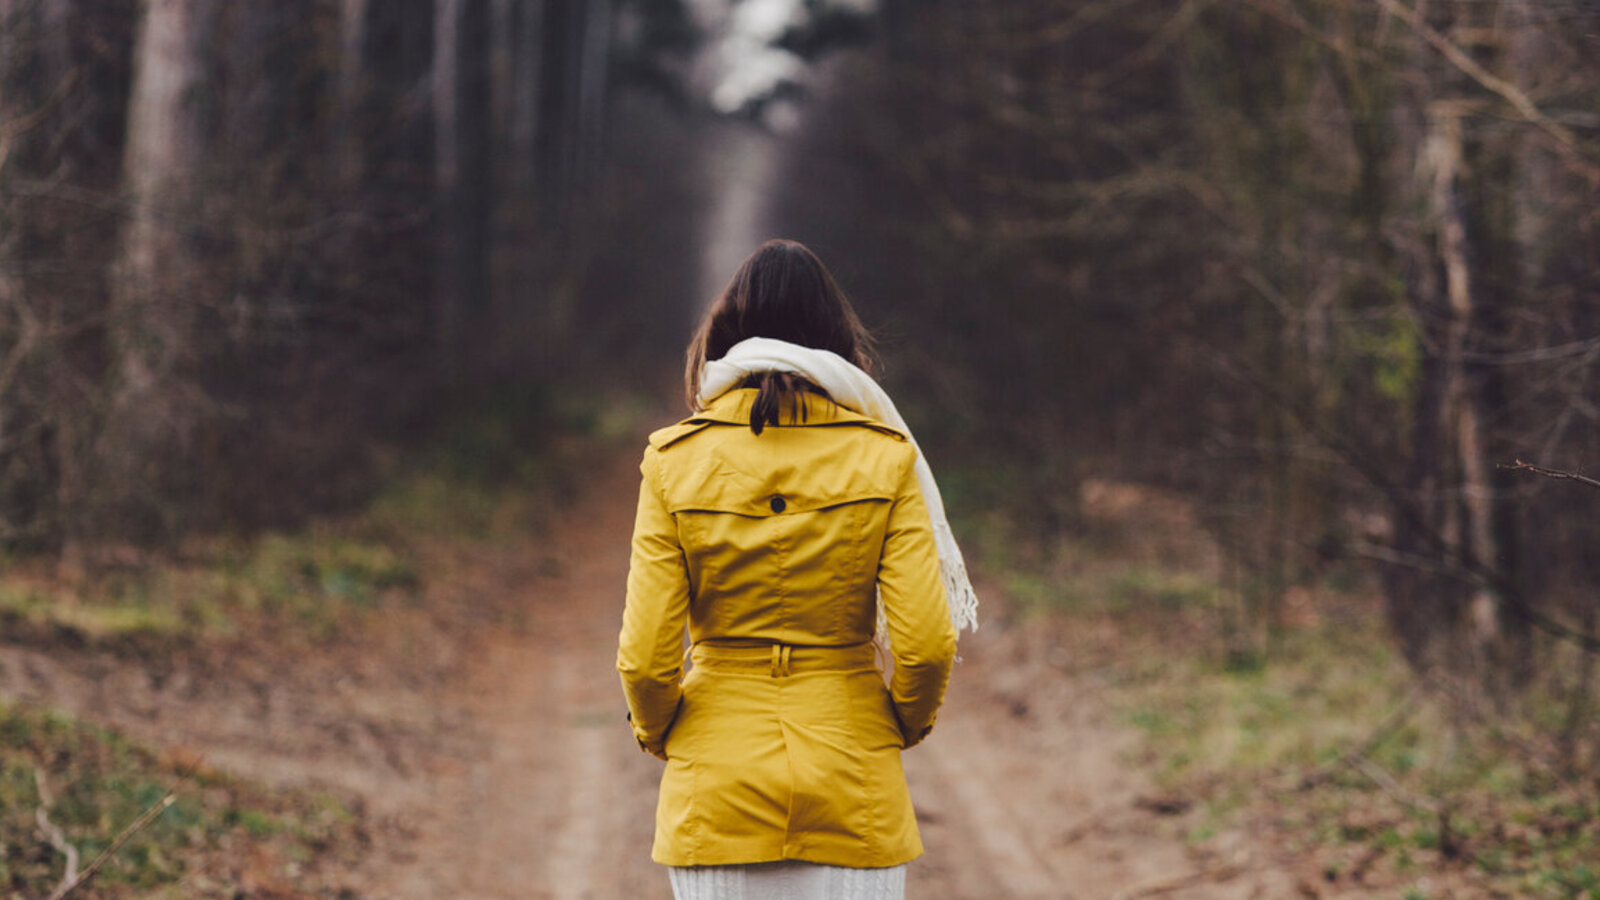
point(1315, 260)
point(63, 94)
point(153, 431)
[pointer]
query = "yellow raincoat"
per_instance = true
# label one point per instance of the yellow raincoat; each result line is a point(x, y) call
point(782, 741)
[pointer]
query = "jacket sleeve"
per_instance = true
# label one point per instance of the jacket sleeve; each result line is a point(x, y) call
point(650, 647)
point(911, 590)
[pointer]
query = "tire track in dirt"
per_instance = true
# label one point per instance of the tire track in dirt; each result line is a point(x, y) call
point(575, 845)
point(1014, 868)
point(561, 800)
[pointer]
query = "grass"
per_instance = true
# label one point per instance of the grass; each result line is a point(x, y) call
point(1437, 806)
point(97, 783)
point(1431, 795)
point(492, 474)
point(313, 582)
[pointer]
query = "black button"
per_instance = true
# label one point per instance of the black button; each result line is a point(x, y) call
point(778, 505)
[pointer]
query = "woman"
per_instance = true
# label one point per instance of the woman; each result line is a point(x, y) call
point(781, 524)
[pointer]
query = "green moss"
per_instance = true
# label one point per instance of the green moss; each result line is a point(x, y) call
point(258, 824)
point(1398, 357)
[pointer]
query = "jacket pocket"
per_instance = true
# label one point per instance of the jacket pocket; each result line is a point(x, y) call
point(687, 704)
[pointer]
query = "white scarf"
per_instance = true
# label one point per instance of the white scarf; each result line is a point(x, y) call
point(855, 389)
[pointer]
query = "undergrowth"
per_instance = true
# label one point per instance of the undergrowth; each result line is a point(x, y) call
point(1378, 778)
point(492, 473)
point(1368, 779)
point(218, 838)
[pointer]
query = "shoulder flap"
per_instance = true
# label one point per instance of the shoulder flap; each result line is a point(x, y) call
point(877, 426)
point(666, 437)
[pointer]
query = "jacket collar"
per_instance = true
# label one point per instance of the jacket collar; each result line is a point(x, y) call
point(733, 408)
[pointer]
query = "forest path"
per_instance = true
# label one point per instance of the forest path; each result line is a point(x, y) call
point(1024, 791)
point(483, 733)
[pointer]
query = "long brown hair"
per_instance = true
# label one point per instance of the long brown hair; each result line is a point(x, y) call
point(780, 291)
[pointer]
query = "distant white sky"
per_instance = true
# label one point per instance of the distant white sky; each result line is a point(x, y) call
point(740, 64)
point(737, 65)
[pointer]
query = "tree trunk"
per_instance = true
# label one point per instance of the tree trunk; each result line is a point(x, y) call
point(556, 124)
point(353, 88)
point(572, 85)
point(526, 26)
point(593, 86)
point(63, 90)
point(1471, 624)
point(463, 176)
point(1469, 528)
point(385, 132)
point(386, 174)
point(157, 405)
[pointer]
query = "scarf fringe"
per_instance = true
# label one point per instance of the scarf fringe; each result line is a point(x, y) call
point(958, 590)
point(959, 594)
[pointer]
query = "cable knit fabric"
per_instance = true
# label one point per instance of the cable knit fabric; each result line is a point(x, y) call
point(788, 880)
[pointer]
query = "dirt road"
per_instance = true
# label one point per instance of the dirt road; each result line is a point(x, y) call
point(1023, 792)
point(494, 762)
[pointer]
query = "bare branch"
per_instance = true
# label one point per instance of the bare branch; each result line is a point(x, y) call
point(28, 121)
point(1084, 16)
point(1383, 779)
point(1390, 723)
point(1169, 33)
point(1471, 571)
point(1512, 94)
point(1340, 46)
point(1520, 466)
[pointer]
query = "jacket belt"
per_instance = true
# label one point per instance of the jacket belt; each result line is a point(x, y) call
point(782, 660)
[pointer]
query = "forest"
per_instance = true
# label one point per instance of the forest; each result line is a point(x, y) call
point(1312, 284)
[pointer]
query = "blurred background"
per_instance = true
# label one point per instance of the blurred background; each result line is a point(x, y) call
point(1233, 326)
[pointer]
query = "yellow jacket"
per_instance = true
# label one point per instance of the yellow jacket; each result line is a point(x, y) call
point(782, 741)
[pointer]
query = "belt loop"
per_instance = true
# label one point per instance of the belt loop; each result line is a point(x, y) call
point(780, 660)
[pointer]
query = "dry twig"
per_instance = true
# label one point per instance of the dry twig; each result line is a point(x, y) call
point(1381, 777)
point(1385, 728)
point(133, 828)
point(53, 833)
point(137, 825)
point(1520, 466)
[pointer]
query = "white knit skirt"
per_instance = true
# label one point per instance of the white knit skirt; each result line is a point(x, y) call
point(787, 880)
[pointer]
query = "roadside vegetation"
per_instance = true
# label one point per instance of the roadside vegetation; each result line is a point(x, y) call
point(1372, 780)
point(1332, 746)
point(493, 471)
point(70, 788)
